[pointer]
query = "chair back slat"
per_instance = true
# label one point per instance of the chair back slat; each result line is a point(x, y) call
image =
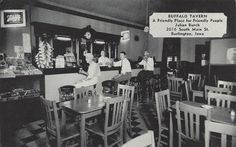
point(196, 80)
point(175, 87)
point(125, 90)
point(188, 88)
point(115, 111)
point(215, 90)
point(226, 84)
point(51, 117)
point(223, 129)
point(83, 93)
point(191, 119)
point(144, 140)
point(162, 103)
point(174, 84)
point(221, 100)
point(128, 93)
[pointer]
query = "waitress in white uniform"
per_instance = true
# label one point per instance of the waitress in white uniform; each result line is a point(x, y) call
point(92, 74)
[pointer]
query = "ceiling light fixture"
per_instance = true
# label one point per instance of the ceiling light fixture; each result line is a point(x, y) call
point(99, 42)
point(63, 38)
point(146, 28)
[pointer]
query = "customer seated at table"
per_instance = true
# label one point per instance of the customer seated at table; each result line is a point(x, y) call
point(92, 74)
point(147, 72)
point(125, 73)
point(103, 60)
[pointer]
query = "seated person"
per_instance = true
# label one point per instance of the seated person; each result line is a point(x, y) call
point(103, 60)
point(147, 72)
point(92, 74)
point(125, 73)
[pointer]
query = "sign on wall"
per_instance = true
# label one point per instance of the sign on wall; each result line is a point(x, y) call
point(125, 35)
point(188, 25)
point(13, 18)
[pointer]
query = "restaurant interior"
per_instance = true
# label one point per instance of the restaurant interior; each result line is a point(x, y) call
point(45, 45)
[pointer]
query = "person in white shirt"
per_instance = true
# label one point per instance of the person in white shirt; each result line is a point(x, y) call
point(103, 60)
point(147, 72)
point(92, 74)
point(126, 70)
point(147, 62)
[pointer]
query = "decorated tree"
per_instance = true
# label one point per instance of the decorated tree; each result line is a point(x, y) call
point(44, 56)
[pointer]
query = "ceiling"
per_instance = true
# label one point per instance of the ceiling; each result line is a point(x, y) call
point(128, 10)
point(135, 11)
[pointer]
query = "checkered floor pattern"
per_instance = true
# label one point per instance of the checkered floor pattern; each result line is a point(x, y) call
point(34, 135)
point(29, 135)
point(148, 112)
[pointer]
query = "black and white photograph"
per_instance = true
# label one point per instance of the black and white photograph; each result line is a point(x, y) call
point(117, 73)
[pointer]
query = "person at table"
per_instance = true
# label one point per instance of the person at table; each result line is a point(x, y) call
point(103, 60)
point(147, 72)
point(126, 71)
point(92, 74)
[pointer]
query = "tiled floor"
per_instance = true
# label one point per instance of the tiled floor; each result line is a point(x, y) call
point(29, 135)
point(34, 135)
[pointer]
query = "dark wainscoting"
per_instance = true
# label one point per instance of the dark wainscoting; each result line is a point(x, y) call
point(224, 72)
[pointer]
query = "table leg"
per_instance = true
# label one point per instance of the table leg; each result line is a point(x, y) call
point(82, 131)
point(125, 132)
point(0, 132)
point(171, 131)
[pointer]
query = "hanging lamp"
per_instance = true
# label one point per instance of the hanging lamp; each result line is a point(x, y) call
point(146, 28)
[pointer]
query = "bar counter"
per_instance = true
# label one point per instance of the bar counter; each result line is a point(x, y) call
point(51, 80)
point(72, 70)
point(56, 78)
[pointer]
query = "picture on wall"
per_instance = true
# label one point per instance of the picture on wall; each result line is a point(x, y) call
point(125, 35)
point(13, 18)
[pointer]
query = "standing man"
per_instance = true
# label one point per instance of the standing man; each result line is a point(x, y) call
point(147, 72)
point(126, 71)
point(103, 60)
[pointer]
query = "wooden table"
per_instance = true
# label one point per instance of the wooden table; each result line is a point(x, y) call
point(189, 103)
point(217, 114)
point(85, 110)
point(222, 115)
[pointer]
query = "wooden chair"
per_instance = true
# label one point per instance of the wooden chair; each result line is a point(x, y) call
point(226, 84)
point(56, 128)
point(144, 140)
point(198, 94)
point(188, 120)
point(215, 90)
point(191, 94)
point(224, 130)
point(175, 87)
point(112, 131)
point(83, 93)
point(162, 105)
point(221, 100)
point(128, 93)
point(195, 80)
